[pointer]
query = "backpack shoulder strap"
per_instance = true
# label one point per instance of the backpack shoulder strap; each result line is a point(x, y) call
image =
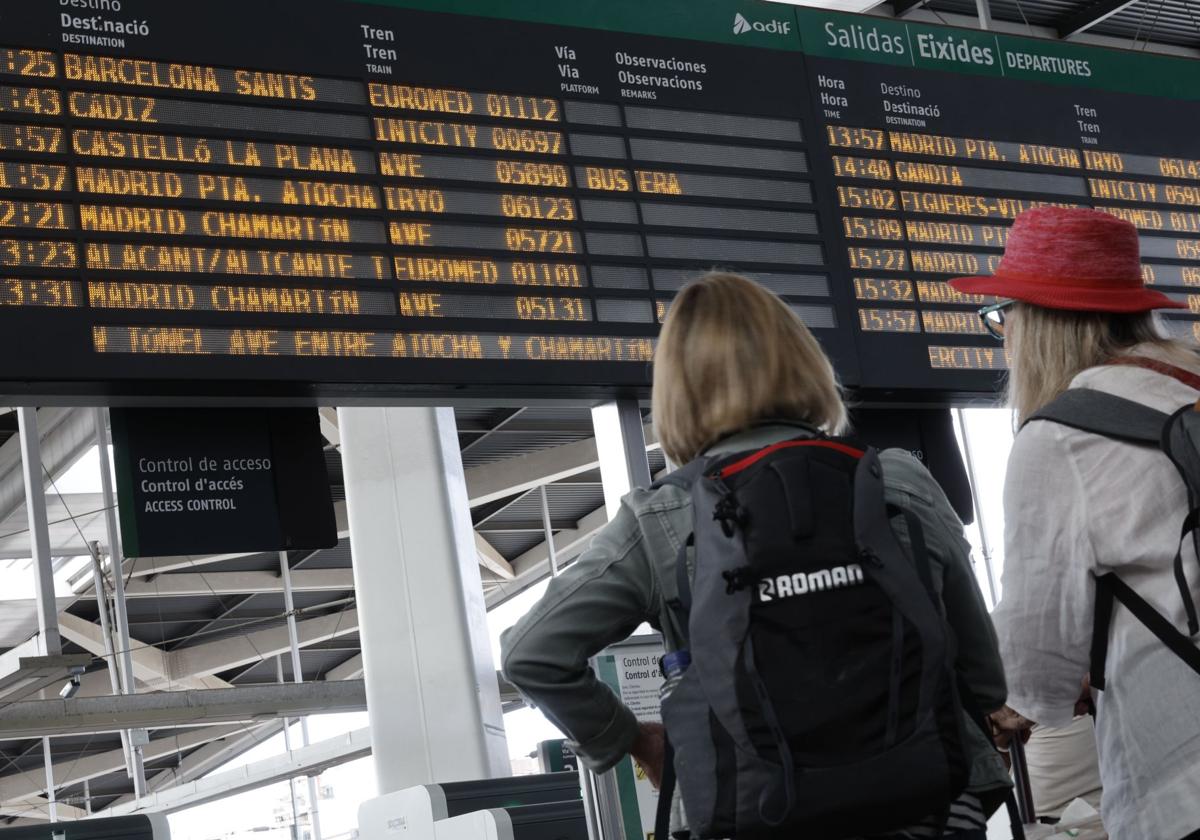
point(1131, 422)
point(1105, 414)
point(1110, 588)
point(684, 477)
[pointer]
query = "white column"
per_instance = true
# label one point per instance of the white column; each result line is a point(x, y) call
point(621, 446)
point(432, 693)
point(39, 531)
point(985, 545)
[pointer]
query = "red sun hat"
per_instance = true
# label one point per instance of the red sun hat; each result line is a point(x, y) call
point(1078, 259)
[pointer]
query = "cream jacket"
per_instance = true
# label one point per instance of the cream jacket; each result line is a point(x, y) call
point(1077, 504)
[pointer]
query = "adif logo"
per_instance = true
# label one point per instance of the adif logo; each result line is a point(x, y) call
point(785, 586)
point(776, 27)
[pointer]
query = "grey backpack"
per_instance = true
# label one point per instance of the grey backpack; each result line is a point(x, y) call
point(821, 699)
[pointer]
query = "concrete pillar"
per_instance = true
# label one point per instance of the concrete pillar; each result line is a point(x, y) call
point(432, 693)
point(621, 447)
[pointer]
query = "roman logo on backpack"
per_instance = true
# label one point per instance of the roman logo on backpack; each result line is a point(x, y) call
point(821, 698)
point(1177, 435)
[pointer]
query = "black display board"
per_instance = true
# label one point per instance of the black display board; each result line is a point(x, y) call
point(473, 199)
point(210, 481)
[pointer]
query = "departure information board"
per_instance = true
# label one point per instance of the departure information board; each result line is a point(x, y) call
point(472, 199)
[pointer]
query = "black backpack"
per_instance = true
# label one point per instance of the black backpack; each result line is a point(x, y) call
point(1177, 435)
point(821, 700)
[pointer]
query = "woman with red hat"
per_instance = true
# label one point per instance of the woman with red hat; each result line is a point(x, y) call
point(1074, 314)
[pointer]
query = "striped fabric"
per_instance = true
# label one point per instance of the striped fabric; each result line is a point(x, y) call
point(966, 814)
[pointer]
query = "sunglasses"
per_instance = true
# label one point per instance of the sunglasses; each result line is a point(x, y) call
point(993, 318)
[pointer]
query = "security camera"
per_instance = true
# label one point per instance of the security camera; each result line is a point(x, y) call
point(73, 684)
point(71, 688)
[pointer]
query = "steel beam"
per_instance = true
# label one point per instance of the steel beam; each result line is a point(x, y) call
point(98, 587)
point(24, 672)
point(222, 584)
point(902, 7)
point(548, 531)
point(116, 556)
point(39, 813)
point(110, 660)
point(285, 571)
point(493, 560)
point(21, 787)
point(150, 664)
point(492, 482)
point(158, 710)
point(329, 426)
point(287, 746)
point(307, 761)
point(213, 755)
point(66, 435)
point(534, 564)
point(39, 529)
point(1086, 18)
point(513, 414)
point(221, 655)
point(351, 669)
point(48, 763)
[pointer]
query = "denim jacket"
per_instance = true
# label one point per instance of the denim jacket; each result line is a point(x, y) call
point(627, 576)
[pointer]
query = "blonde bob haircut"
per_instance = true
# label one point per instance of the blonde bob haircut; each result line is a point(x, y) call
point(1050, 347)
point(731, 355)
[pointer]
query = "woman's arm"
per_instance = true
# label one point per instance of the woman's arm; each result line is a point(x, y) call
point(600, 599)
point(1044, 619)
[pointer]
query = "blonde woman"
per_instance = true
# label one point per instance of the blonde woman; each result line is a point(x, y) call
point(735, 370)
point(1074, 314)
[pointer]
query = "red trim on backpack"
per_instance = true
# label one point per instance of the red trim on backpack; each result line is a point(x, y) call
point(1185, 376)
point(750, 460)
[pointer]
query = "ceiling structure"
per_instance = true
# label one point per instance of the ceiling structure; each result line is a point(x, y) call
point(220, 621)
point(207, 622)
point(1153, 25)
